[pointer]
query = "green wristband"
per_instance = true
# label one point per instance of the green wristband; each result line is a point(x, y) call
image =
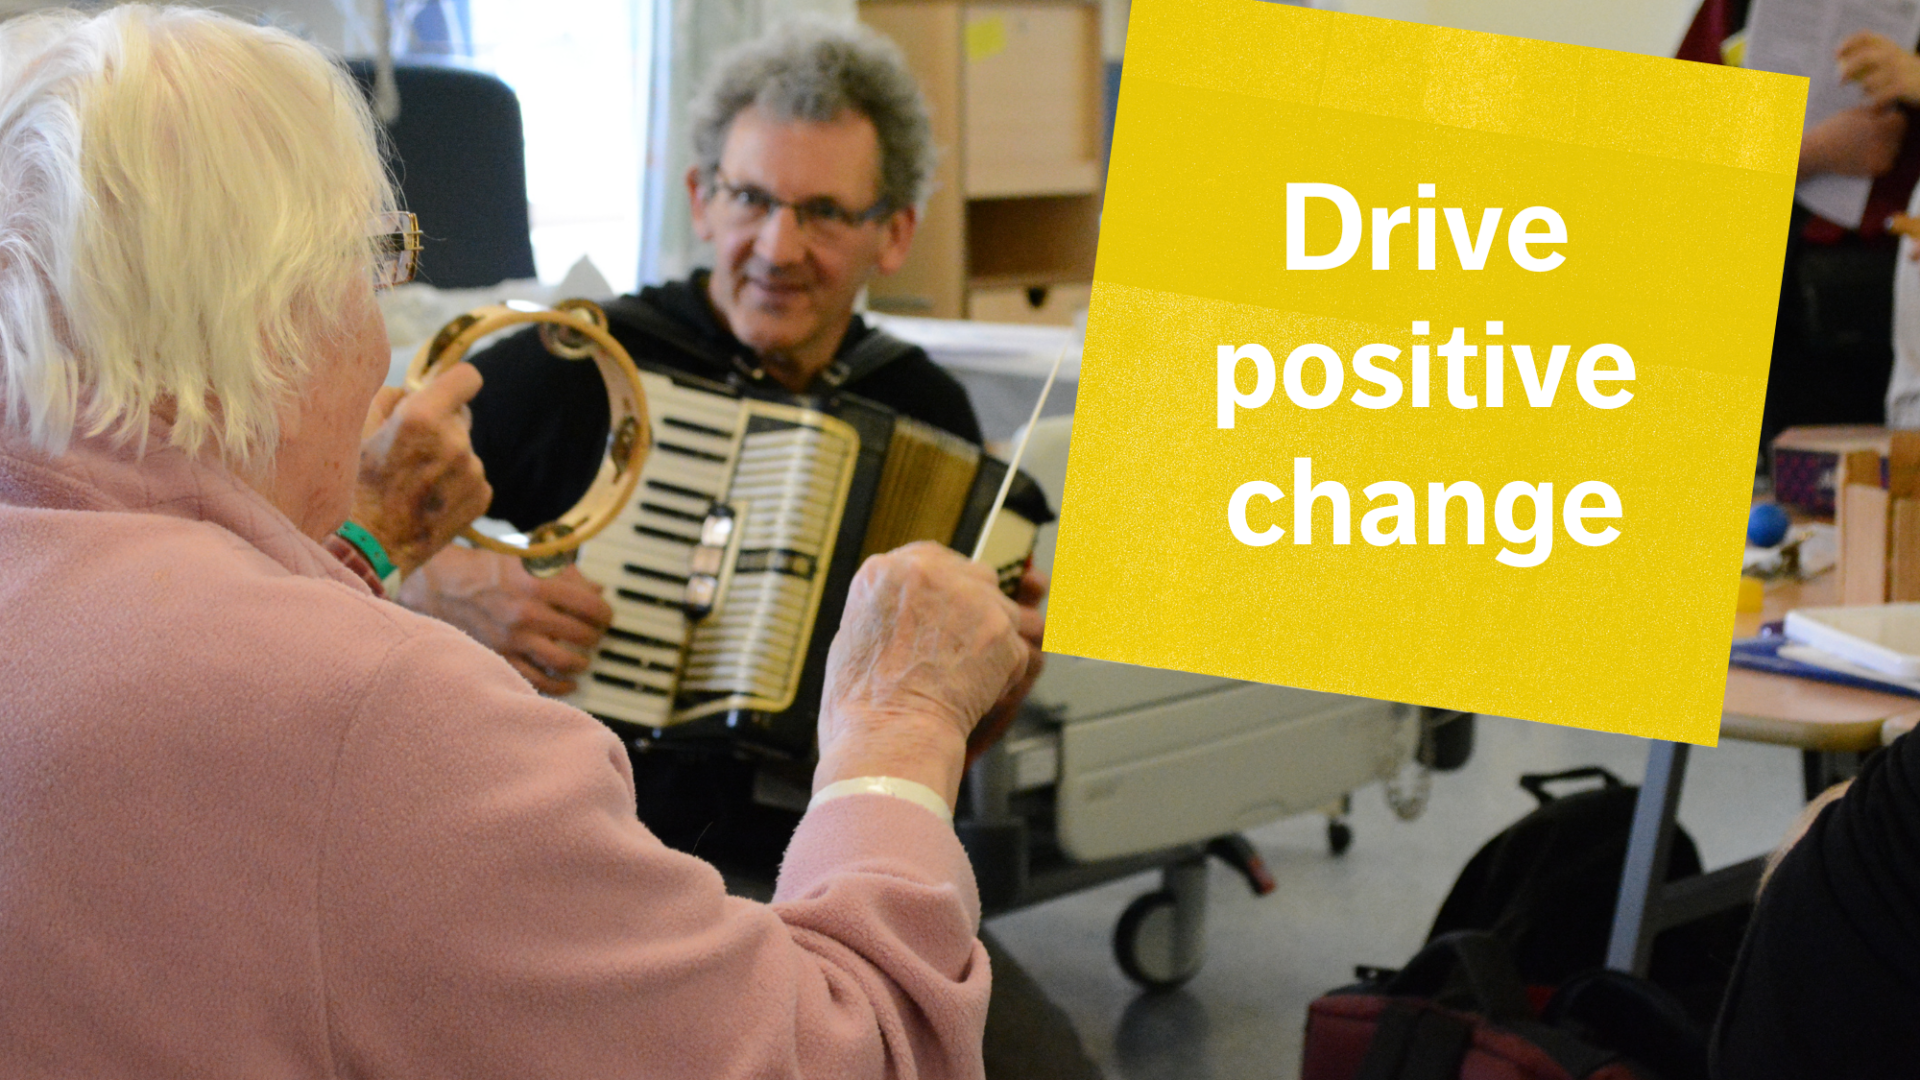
point(363, 540)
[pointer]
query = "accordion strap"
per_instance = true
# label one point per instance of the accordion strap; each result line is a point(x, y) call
point(874, 351)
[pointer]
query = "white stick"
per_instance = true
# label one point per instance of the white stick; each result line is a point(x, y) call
point(1019, 450)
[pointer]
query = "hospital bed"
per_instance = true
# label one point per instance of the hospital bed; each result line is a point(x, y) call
point(1113, 769)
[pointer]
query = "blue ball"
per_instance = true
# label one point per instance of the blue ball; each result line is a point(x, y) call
point(1766, 525)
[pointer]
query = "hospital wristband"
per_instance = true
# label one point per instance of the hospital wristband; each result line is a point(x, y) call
point(364, 542)
point(916, 793)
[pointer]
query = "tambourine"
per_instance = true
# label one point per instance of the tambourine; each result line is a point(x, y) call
point(575, 330)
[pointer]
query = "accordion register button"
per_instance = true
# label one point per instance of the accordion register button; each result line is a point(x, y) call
point(706, 560)
point(700, 592)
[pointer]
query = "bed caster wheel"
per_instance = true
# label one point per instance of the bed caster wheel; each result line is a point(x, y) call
point(1339, 836)
point(1148, 943)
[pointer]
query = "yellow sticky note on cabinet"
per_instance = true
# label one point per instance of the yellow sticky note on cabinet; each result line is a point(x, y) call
point(986, 37)
point(1425, 365)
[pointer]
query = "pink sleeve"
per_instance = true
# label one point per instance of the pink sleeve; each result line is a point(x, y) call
point(490, 907)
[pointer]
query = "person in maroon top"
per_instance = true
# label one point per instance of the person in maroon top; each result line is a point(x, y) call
point(1833, 337)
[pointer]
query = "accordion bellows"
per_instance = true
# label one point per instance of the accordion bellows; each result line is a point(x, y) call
point(728, 569)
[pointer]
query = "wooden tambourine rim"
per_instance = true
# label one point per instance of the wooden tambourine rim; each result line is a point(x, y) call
point(613, 485)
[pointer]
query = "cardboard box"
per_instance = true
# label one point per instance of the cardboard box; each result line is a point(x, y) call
point(1806, 462)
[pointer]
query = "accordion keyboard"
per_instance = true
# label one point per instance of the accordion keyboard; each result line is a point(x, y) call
point(782, 473)
point(645, 556)
point(788, 491)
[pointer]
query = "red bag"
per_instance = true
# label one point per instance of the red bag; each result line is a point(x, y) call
point(1458, 1011)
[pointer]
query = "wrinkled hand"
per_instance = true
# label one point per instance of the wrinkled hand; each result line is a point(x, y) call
point(1861, 141)
point(1028, 594)
point(1887, 72)
point(545, 627)
point(928, 644)
point(419, 481)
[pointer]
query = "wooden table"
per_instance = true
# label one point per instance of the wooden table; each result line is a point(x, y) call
point(1780, 709)
point(1818, 719)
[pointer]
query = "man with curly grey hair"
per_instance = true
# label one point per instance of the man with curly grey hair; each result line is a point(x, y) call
point(817, 72)
point(830, 115)
point(812, 153)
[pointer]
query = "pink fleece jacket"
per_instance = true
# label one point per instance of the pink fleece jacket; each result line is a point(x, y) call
point(256, 823)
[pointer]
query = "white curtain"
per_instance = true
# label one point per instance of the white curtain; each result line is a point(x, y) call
point(688, 35)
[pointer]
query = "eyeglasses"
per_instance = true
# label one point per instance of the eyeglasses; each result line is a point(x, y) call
point(746, 206)
point(396, 248)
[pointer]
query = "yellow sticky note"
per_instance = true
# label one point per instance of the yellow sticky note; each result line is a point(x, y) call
point(986, 37)
point(1494, 313)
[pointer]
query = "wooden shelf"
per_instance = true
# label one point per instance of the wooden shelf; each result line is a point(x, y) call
point(1041, 239)
point(1055, 304)
point(1023, 281)
point(1017, 178)
point(1014, 89)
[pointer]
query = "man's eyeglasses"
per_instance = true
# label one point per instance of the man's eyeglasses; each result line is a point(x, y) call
point(396, 248)
point(747, 206)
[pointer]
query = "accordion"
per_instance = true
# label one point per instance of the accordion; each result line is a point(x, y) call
point(728, 569)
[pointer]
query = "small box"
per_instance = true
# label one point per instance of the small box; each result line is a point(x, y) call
point(1806, 461)
point(1046, 305)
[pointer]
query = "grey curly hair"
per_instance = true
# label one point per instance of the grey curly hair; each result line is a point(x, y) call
point(815, 71)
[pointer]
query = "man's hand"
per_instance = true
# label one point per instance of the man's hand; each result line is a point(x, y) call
point(1887, 72)
point(928, 644)
point(419, 482)
point(1861, 141)
point(545, 627)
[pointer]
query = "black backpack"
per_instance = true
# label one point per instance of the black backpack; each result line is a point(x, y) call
point(1459, 1011)
point(1547, 885)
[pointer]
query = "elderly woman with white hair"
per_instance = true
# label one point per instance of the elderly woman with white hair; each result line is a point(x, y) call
point(260, 822)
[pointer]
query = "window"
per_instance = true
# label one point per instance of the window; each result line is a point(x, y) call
point(581, 69)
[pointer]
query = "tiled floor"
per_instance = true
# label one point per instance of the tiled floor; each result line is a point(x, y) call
point(1268, 957)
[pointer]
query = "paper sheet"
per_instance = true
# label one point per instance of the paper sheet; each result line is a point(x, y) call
point(1800, 37)
point(1821, 658)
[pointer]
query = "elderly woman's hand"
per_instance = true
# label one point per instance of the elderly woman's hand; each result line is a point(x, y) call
point(927, 645)
point(1033, 626)
point(419, 481)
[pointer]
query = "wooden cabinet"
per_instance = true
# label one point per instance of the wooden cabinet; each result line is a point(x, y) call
point(1014, 88)
point(1057, 305)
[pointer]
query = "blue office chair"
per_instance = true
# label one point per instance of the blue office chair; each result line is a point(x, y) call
point(458, 152)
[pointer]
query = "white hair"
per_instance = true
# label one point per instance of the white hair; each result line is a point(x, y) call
point(184, 201)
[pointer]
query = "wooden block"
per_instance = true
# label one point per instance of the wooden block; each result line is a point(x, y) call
point(1903, 551)
point(1903, 465)
point(1903, 520)
point(1862, 522)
